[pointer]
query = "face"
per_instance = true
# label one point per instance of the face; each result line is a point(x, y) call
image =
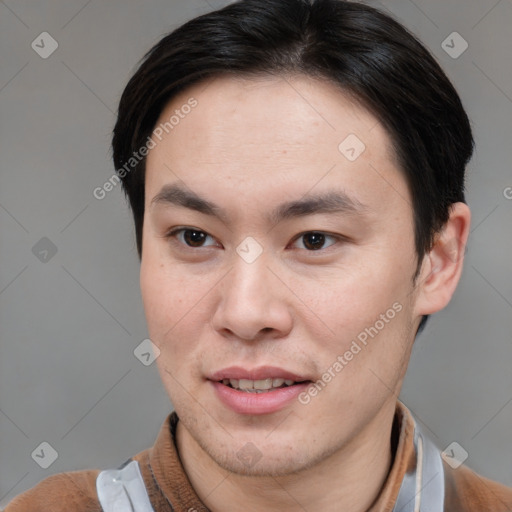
point(277, 250)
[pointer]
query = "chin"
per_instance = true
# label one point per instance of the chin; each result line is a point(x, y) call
point(261, 458)
point(276, 465)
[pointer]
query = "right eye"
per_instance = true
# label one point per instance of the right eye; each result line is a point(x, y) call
point(191, 237)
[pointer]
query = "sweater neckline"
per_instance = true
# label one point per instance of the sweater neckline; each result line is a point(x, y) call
point(173, 482)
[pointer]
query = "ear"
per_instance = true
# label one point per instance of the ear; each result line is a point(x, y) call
point(442, 266)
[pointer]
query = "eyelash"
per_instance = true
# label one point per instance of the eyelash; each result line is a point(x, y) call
point(174, 232)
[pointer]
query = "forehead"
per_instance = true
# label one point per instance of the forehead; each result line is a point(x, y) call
point(269, 135)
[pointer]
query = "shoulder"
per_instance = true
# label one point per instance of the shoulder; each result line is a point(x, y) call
point(75, 490)
point(467, 491)
point(64, 492)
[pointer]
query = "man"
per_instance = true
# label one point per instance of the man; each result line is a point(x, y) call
point(296, 175)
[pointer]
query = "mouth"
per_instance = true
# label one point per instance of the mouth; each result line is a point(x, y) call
point(260, 386)
point(263, 390)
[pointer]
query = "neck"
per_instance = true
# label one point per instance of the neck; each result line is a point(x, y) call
point(350, 479)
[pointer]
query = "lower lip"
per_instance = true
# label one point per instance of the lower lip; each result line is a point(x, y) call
point(244, 402)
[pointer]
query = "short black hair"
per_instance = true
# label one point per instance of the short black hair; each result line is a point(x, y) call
point(365, 52)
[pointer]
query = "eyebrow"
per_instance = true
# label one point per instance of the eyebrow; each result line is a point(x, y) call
point(310, 204)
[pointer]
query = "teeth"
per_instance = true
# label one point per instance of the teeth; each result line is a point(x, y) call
point(257, 386)
point(245, 384)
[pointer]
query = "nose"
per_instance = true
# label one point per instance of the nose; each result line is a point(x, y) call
point(253, 303)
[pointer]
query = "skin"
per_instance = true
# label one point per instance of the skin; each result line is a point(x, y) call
point(248, 146)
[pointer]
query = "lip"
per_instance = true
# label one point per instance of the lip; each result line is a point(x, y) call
point(243, 402)
point(260, 373)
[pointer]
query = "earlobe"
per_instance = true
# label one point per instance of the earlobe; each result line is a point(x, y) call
point(442, 266)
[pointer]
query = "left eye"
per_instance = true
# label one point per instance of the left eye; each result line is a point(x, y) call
point(314, 240)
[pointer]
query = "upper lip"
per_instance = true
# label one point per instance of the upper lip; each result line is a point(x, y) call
point(260, 373)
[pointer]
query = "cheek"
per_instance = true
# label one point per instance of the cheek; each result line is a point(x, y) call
point(342, 302)
point(174, 304)
point(175, 307)
point(355, 322)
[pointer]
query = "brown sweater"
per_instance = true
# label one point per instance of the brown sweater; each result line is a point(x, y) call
point(170, 490)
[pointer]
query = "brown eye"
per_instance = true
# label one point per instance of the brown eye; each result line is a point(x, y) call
point(194, 238)
point(316, 240)
point(313, 241)
point(191, 237)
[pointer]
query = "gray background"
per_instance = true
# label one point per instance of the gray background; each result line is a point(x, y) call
point(69, 324)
